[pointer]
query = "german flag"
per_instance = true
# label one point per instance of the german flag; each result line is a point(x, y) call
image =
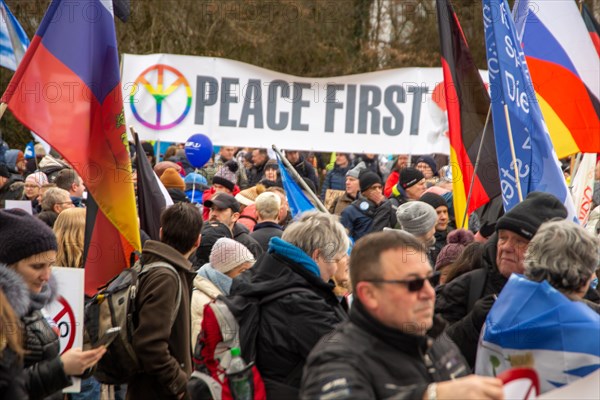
point(468, 104)
point(592, 26)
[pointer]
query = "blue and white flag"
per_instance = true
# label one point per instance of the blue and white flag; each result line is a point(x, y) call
point(535, 162)
point(30, 150)
point(534, 325)
point(13, 39)
point(296, 198)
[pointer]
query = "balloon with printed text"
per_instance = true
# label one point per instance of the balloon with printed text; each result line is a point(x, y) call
point(198, 149)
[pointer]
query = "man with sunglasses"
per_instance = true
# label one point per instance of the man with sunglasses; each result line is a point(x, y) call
point(392, 346)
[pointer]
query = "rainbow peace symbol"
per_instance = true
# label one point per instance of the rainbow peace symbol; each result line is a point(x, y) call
point(160, 91)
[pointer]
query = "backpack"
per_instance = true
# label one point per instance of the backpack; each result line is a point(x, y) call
point(115, 306)
point(233, 322)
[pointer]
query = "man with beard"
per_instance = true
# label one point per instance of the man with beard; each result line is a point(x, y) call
point(419, 219)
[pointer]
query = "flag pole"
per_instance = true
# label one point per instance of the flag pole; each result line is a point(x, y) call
point(512, 151)
point(3, 107)
point(487, 120)
point(300, 181)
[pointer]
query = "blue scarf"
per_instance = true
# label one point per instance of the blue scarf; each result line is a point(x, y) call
point(287, 250)
point(219, 279)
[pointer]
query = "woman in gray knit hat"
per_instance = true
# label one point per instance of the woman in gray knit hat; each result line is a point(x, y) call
point(26, 256)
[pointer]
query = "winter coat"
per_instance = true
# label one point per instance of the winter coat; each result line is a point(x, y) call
point(12, 377)
point(341, 203)
point(264, 231)
point(256, 174)
point(178, 196)
point(242, 234)
point(335, 179)
point(248, 217)
point(363, 217)
point(306, 170)
point(163, 351)
point(455, 300)
point(364, 359)
point(290, 325)
point(204, 291)
point(43, 376)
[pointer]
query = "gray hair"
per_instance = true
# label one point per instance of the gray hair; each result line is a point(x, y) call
point(316, 230)
point(268, 205)
point(562, 253)
point(54, 196)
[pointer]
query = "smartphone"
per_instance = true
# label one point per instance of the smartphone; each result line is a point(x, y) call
point(110, 335)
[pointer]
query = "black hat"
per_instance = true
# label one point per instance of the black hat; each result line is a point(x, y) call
point(223, 201)
point(526, 217)
point(211, 232)
point(4, 171)
point(22, 236)
point(367, 179)
point(434, 200)
point(429, 161)
point(409, 176)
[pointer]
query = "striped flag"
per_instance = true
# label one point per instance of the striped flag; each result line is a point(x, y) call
point(67, 90)
point(13, 39)
point(565, 70)
point(468, 104)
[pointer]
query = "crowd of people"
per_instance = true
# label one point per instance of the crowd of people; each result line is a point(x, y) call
point(383, 296)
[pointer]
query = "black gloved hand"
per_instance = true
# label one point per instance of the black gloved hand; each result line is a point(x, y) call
point(480, 310)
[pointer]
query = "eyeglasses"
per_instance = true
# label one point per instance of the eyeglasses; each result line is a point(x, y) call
point(413, 285)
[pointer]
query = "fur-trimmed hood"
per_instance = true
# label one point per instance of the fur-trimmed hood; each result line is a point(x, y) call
point(15, 289)
point(21, 299)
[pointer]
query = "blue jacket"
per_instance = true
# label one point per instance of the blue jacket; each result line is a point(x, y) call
point(335, 179)
point(363, 216)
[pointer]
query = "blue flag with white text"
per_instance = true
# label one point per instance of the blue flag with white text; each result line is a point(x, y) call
point(536, 162)
point(297, 200)
point(534, 325)
point(29, 150)
point(13, 39)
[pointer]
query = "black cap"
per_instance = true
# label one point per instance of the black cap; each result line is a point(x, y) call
point(409, 176)
point(223, 201)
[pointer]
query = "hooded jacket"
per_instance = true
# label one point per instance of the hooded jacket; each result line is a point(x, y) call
point(335, 179)
point(163, 351)
point(43, 376)
point(290, 325)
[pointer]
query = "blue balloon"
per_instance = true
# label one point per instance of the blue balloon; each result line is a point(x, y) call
point(198, 150)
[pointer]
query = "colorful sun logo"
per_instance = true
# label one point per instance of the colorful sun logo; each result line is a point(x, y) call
point(161, 82)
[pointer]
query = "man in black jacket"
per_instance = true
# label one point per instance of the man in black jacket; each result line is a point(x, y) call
point(268, 210)
point(302, 262)
point(391, 347)
point(466, 301)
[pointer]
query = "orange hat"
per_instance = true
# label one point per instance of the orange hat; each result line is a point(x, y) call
point(172, 180)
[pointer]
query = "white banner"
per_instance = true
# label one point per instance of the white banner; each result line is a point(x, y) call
point(170, 97)
point(67, 312)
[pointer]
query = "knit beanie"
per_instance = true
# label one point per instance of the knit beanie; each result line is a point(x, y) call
point(434, 200)
point(225, 176)
point(37, 178)
point(457, 241)
point(429, 161)
point(409, 176)
point(248, 196)
point(227, 254)
point(416, 217)
point(194, 178)
point(22, 236)
point(367, 179)
point(271, 164)
point(526, 217)
point(172, 180)
point(355, 172)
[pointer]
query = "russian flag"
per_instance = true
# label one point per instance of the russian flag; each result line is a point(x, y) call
point(565, 69)
point(67, 90)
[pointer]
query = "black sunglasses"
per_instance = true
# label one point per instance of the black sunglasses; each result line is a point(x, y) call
point(413, 285)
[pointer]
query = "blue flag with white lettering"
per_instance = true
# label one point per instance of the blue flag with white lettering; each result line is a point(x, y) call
point(297, 200)
point(30, 150)
point(536, 163)
point(534, 325)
